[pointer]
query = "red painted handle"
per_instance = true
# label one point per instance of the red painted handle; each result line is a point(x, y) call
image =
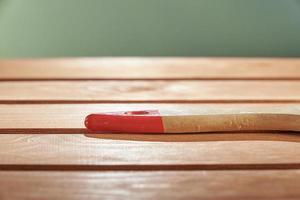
point(146, 121)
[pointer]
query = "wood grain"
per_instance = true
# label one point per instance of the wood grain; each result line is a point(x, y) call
point(273, 184)
point(151, 68)
point(112, 152)
point(149, 91)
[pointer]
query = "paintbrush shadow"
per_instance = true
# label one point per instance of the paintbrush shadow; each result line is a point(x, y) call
point(202, 137)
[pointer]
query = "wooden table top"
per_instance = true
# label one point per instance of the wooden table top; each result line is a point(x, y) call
point(46, 153)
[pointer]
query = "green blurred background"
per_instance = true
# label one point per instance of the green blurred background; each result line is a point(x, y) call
point(66, 28)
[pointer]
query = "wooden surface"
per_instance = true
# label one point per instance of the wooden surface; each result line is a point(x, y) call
point(154, 68)
point(109, 150)
point(152, 185)
point(150, 91)
point(20, 117)
point(46, 153)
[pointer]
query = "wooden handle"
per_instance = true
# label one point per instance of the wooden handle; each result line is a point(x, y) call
point(231, 122)
point(191, 121)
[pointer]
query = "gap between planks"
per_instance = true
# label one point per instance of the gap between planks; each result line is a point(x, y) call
point(157, 167)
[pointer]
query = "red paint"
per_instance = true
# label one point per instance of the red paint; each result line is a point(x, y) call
point(127, 122)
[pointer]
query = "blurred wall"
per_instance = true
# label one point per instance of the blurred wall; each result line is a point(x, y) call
point(52, 28)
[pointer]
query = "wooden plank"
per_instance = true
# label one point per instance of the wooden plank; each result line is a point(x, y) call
point(273, 184)
point(149, 91)
point(151, 68)
point(233, 150)
point(69, 118)
point(118, 151)
point(124, 149)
